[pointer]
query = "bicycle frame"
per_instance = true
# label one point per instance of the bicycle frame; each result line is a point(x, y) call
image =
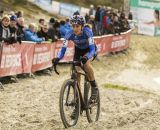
point(74, 75)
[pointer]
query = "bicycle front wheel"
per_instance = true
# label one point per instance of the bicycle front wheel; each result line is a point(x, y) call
point(69, 104)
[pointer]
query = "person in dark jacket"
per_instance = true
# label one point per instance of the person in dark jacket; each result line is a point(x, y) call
point(13, 28)
point(20, 28)
point(51, 30)
point(43, 33)
point(97, 20)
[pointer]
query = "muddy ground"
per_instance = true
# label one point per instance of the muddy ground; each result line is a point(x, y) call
point(33, 104)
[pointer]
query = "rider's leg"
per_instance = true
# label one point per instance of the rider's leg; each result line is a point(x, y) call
point(73, 115)
point(89, 70)
point(78, 76)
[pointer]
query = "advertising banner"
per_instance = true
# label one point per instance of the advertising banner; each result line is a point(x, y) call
point(11, 60)
point(146, 11)
point(27, 57)
point(42, 58)
point(147, 29)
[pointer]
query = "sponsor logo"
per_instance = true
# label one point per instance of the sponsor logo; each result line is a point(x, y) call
point(40, 49)
point(41, 58)
point(119, 43)
point(13, 60)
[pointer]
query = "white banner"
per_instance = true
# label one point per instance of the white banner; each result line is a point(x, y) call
point(147, 29)
point(145, 14)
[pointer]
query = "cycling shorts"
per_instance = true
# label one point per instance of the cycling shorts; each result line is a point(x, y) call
point(78, 53)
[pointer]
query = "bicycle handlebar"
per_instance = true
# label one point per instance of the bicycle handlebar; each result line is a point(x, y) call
point(55, 69)
point(71, 62)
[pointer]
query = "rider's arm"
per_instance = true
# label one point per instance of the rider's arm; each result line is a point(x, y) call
point(92, 49)
point(60, 55)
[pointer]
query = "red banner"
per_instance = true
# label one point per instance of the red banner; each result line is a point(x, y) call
point(11, 60)
point(103, 44)
point(42, 58)
point(119, 42)
point(26, 58)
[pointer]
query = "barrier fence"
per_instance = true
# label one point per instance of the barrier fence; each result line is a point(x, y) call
point(27, 58)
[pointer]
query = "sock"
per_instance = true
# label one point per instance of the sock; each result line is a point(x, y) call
point(93, 84)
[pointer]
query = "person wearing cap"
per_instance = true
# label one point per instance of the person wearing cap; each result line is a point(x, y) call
point(31, 34)
point(13, 28)
point(4, 29)
point(13, 22)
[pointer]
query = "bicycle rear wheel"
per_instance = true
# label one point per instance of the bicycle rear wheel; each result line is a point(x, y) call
point(68, 102)
point(93, 110)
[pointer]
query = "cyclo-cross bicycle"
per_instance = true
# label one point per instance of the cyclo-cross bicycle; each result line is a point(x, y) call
point(72, 99)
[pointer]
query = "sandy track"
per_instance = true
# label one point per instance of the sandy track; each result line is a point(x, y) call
point(33, 104)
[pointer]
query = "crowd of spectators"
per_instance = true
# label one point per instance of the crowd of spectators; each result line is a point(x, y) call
point(101, 20)
point(107, 20)
point(13, 30)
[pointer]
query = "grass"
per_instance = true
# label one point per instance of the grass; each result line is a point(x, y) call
point(124, 88)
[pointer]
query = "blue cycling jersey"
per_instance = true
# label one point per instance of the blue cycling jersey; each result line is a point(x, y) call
point(83, 41)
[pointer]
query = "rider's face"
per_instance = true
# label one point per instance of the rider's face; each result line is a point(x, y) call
point(77, 29)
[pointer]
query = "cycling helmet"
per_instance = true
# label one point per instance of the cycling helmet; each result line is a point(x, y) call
point(77, 19)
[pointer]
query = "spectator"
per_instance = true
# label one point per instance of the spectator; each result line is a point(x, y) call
point(102, 13)
point(20, 27)
point(68, 25)
point(41, 23)
point(31, 35)
point(76, 13)
point(87, 17)
point(51, 31)
point(97, 20)
point(11, 13)
point(13, 22)
point(106, 22)
point(63, 30)
point(13, 28)
point(91, 24)
point(123, 23)
point(1, 14)
point(111, 29)
point(43, 33)
point(91, 10)
point(130, 17)
point(19, 14)
point(57, 29)
point(4, 29)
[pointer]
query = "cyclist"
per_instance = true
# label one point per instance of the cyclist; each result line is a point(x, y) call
point(85, 50)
